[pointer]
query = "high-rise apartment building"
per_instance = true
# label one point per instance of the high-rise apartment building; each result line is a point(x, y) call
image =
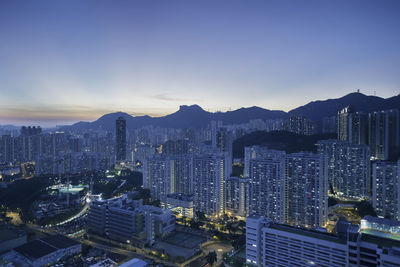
point(209, 174)
point(384, 134)
point(353, 126)
point(343, 123)
point(386, 189)
point(348, 167)
point(267, 184)
point(157, 176)
point(120, 134)
point(287, 188)
point(306, 190)
point(237, 196)
point(165, 175)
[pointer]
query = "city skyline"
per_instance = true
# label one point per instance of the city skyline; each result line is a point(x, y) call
point(200, 133)
point(149, 58)
point(55, 121)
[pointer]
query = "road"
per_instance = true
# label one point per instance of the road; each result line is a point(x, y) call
point(121, 251)
point(81, 213)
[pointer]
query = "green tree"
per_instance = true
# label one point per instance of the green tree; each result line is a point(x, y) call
point(212, 257)
point(365, 208)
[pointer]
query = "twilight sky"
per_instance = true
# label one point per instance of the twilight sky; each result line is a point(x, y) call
point(65, 61)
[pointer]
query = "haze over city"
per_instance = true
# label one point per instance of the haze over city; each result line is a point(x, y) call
point(67, 61)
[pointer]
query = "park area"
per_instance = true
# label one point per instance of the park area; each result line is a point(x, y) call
point(181, 245)
point(184, 239)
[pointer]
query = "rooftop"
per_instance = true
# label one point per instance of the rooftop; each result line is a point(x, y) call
point(308, 232)
point(383, 221)
point(134, 263)
point(35, 249)
point(42, 247)
point(59, 241)
point(8, 232)
point(380, 241)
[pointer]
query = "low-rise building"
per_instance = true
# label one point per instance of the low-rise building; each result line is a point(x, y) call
point(127, 220)
point(181, 204)
point(11, 237)
point(44, 251)
point(375, 243)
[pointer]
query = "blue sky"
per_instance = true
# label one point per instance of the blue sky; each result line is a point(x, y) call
point(65, 61)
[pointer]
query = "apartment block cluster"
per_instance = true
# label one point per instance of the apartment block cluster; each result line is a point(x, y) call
point(291, 188)
point(125, 219)
point(100, 148)
point(57, 152)
point(287, 188)
point(374, 243)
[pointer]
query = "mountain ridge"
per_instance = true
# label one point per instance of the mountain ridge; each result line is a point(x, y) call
point(194, 116)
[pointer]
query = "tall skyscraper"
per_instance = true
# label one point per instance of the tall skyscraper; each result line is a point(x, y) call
point(267, 184)
point(120, 133)
point(358, 128)
point(165, 175)
point(306, 189)
point(353, 126)
point(384, 134)
point(222, 139)
point(157, 176)
point(348, 167)
point(237, 196)
point(386, 189)
point(343, 123)
point(287, 188)
point(209, 174)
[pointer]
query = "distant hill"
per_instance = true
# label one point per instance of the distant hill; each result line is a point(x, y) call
point(195, 117)
point(9, 127)
point(317, 110)
point(280, 140)
point(186, 117)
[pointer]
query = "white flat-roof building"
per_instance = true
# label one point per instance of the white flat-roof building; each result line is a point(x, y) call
point(375, 243)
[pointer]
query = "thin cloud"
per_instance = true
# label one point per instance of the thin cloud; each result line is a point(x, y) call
point(165, 97)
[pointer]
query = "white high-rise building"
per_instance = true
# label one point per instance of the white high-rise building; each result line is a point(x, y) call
point(306, 187)
point(166, 175)
point(157, 176)
point(209, 174)
point(386, 189)
point(348, 167)
point(254, 152)
point(237, 196)
point(267, 185)
point(384, 134)
point(181, 167)
point(290, 188)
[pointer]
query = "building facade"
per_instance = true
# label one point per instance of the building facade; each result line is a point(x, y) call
point(374, 243)
point(348, 167)
point(386, 189)
point(120, 139)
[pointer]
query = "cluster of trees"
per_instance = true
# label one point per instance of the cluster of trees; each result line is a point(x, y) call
point(211, 257)
point(20, 194)
point(281, 140)
point(365, 208)
point(109, 188)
